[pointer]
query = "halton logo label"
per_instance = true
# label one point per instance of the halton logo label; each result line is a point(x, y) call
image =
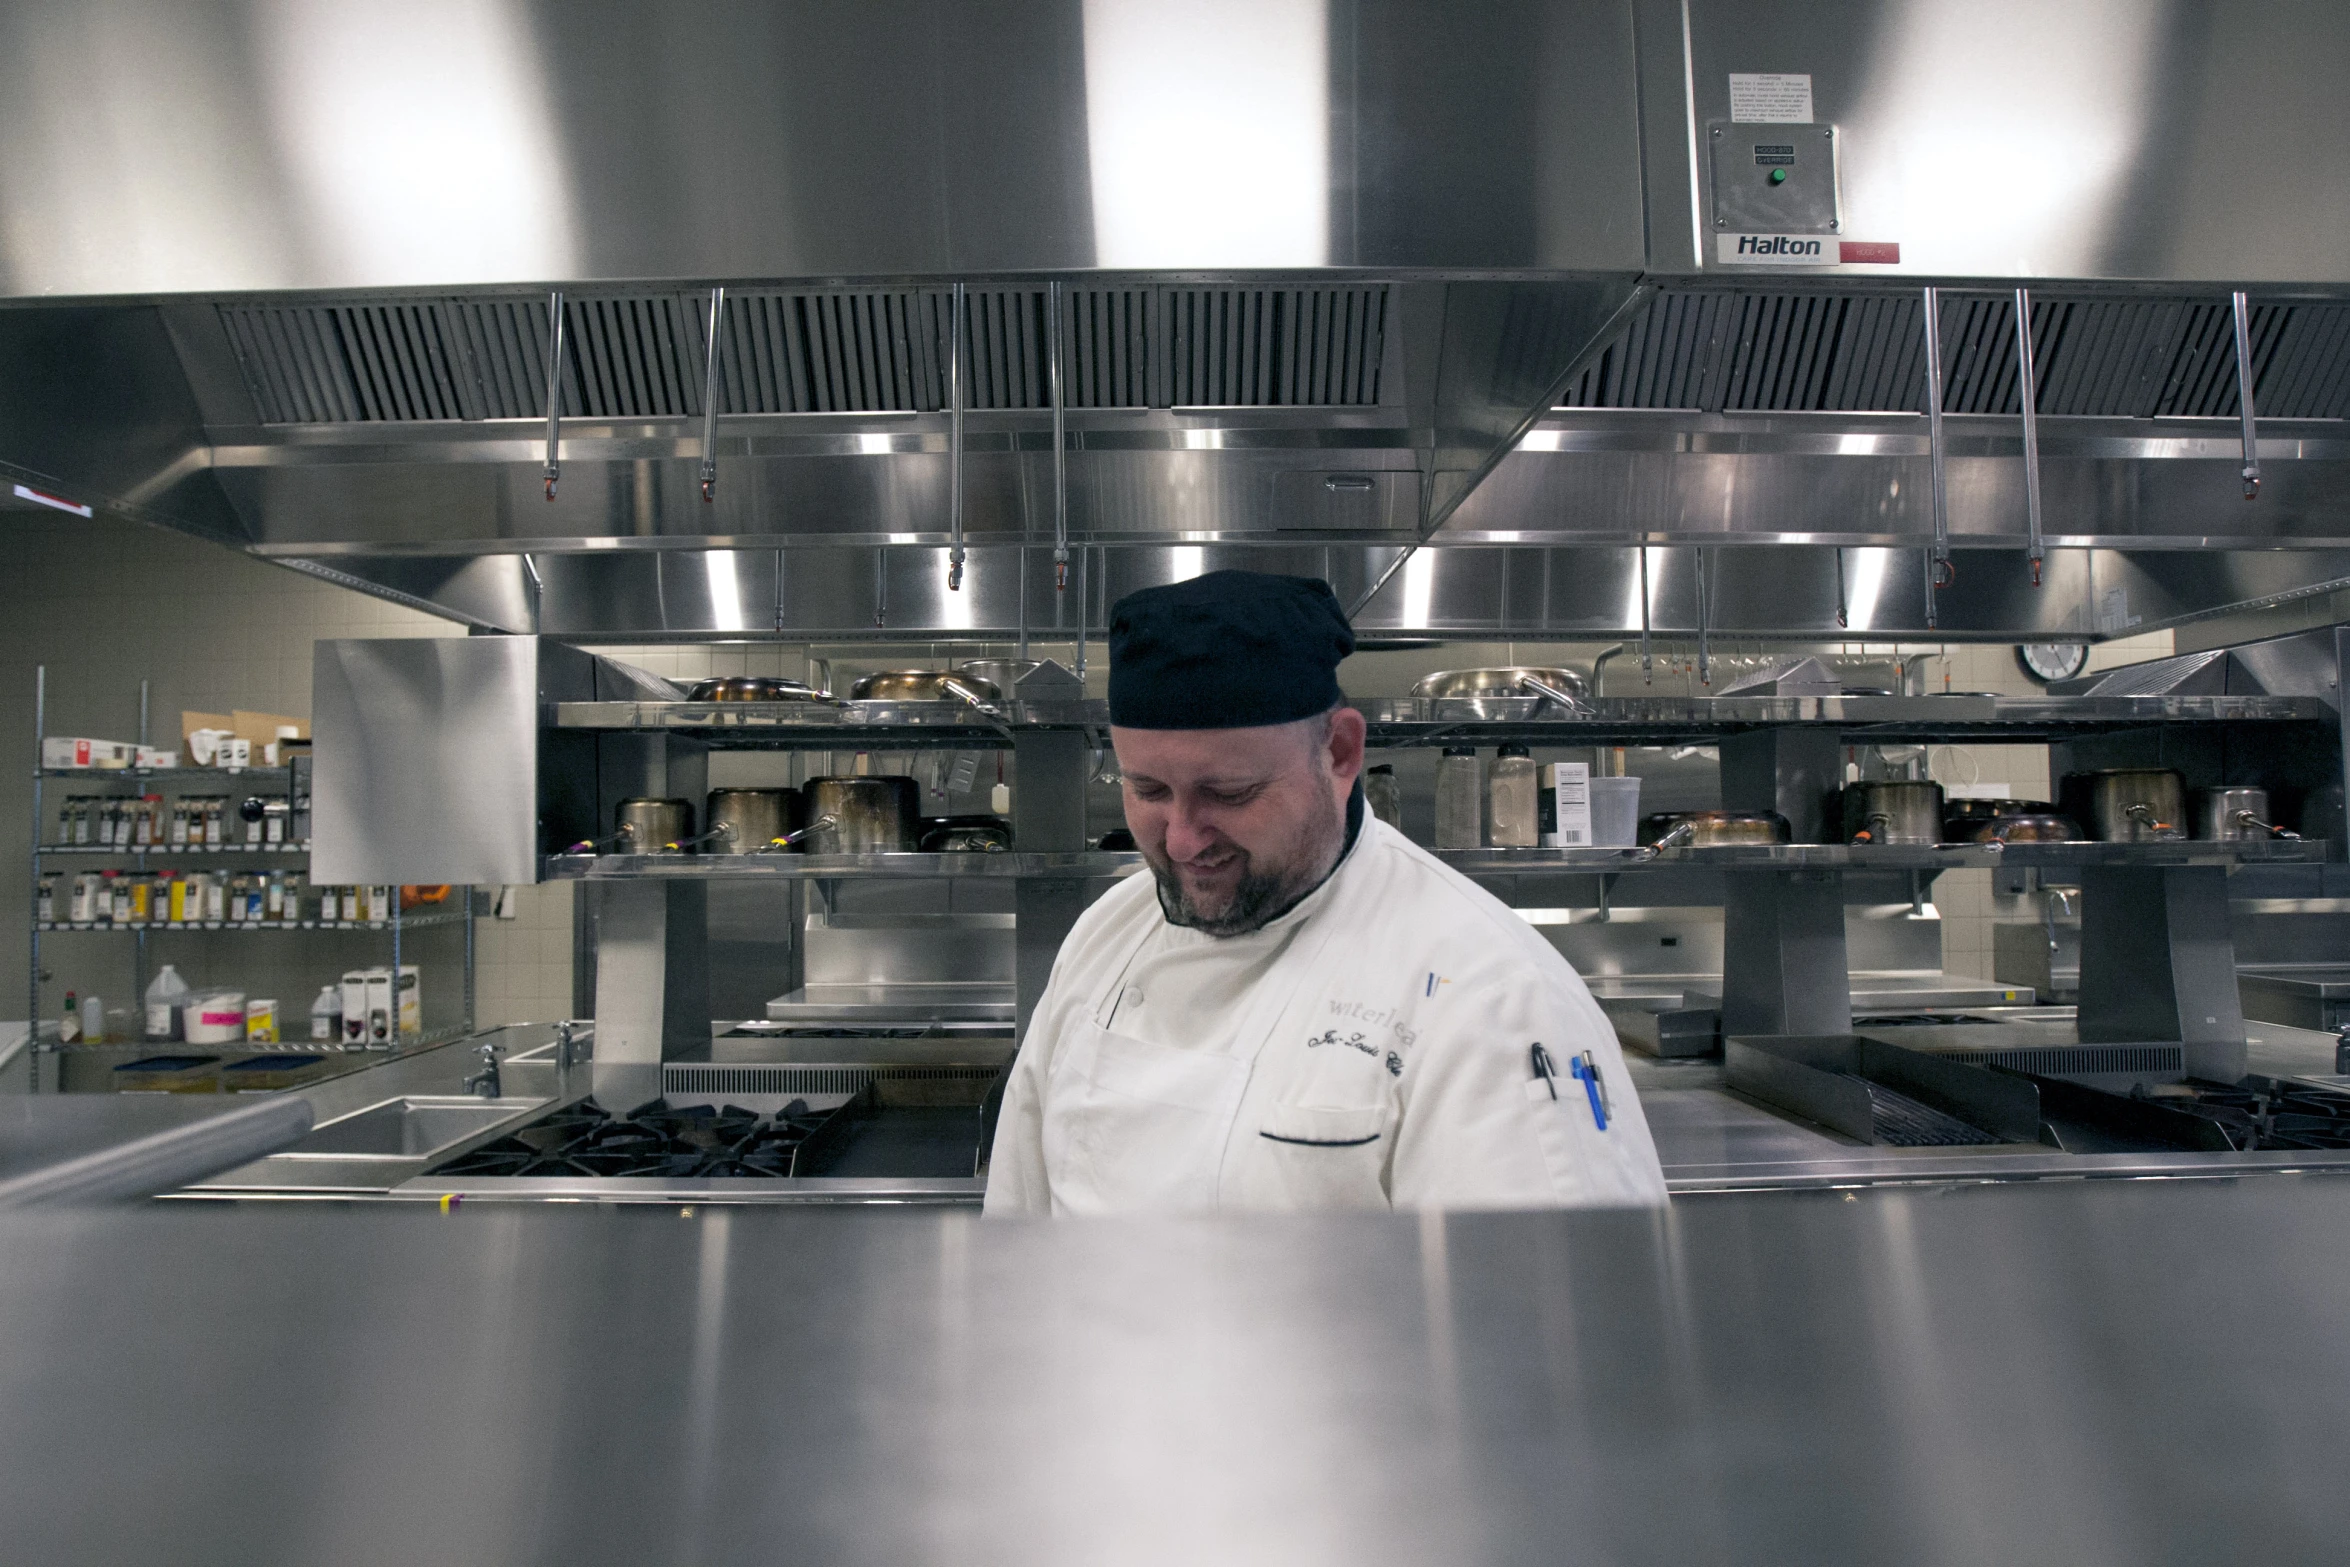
point(1802, 250)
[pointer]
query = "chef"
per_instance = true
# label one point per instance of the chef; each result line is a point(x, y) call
point(1299, 1007)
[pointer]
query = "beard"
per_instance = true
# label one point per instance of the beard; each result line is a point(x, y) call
point(1263, 894)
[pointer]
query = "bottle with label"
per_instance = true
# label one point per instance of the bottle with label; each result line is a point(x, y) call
point(350, 905)
point(142, 899)
point(175, 897)
point(93, 1021)
point(69, 1024)
point(179, 824)
point(167, 994)
point(215, 898)
point(114, 904)
point(1510, 798)
point(1460, 799)
point(46, 910)
point(326, 1016)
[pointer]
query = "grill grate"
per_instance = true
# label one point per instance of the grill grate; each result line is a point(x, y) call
point(641, 356)
point(1864, 353)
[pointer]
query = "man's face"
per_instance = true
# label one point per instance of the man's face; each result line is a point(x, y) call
point(1238, 824)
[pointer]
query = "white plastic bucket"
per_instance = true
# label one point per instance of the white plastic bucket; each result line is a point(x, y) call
point(216, 1017)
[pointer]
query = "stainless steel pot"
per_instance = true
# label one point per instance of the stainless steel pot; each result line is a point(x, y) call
point(1711, 829)
point(1495, 693)
point(924, 685)
point(966, 835)
point(2236, 816)
point(2129, 804)
point(1960, 818)
point(650, 826)
point(752, 688)
point(1002, 673)
point(876, 815)
point(2027, 827)
point(747, 821)
point(1893, 811)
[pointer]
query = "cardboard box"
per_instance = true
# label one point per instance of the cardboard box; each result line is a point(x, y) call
point(355, 1008)
point(262, 728)
point(191, 722)
point(79, 751)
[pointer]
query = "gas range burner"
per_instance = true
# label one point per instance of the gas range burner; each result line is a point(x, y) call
point(2260, 1112)
point(656, 1139)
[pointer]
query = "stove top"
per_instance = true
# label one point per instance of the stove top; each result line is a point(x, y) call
point(654, 1139)
point(2259, 1112)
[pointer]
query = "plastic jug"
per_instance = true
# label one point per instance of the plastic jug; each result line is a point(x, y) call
point(167, 993)
point(326, 1016)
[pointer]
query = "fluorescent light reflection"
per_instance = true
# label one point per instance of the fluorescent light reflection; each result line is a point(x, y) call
point(419, 139)
point(2042, 107)
point(1185, 562)
point(726, 594)
point(1632, 605)
point(1419, 588)
point(1865, 582)
point(1208, 131)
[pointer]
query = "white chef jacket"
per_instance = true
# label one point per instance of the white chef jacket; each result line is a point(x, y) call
point(1374, 1047)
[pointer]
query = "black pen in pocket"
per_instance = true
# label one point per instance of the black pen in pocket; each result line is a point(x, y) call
point(1545, 1070)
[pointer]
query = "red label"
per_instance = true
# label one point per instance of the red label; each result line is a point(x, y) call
point(1874, 252)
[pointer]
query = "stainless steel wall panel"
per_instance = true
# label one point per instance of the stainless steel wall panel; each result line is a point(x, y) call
point(2009, 139)
point(428, 756)
point(602, 140)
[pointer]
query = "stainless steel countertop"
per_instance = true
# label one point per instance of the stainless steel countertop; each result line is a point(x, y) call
point(2139, 1372)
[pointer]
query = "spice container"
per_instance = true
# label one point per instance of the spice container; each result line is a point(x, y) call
point(1383, 795)
point(1565, 805)
point(1510, 791)
point(1460, 799)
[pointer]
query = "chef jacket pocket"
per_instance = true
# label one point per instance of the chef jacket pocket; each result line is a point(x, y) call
point(1131, 1125)
point(1320, 1156)
point(1314, 1126)
point(1589, 1167)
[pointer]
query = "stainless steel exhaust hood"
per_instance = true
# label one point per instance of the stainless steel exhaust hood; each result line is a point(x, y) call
point(1335, 279)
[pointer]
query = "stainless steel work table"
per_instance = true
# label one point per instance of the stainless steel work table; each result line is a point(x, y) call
point(2086, 1371)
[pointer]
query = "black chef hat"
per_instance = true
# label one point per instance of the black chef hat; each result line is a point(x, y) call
point(1230, 650)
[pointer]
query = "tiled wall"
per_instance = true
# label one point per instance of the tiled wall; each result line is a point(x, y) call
point(106, 604)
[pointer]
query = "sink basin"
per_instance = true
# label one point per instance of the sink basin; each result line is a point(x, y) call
point(410, 1127)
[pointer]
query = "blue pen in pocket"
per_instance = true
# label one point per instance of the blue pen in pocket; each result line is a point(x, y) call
point(1588, 1070)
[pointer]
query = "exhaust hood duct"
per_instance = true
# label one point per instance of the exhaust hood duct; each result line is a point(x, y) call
point(1478, 333)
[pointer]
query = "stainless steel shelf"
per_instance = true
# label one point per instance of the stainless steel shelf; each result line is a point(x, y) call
point(413, 922)
point(758, 867)
point(1409, 721)
point(166, 774)
point(1472, 862)
point(183, 852)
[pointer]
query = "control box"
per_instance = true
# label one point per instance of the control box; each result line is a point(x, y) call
point(1774, 178)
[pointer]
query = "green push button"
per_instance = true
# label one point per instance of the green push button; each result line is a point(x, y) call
point(1778, 176)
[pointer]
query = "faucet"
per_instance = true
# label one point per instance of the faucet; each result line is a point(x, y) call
point(484, 1084)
